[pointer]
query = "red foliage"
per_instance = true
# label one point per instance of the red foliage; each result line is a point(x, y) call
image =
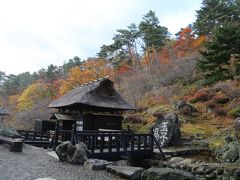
point(204, 94)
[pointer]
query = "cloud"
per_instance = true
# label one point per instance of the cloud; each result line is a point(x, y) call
point(34, 34)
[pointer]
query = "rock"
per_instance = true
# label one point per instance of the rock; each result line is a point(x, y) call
point(209, 170)
point(174, 160)
point(185, 108)
point(96, 164)
point(133, 173)
point(77, 154)
point(167, 131)
point(229, 152)
point(226, 177)
point(61, 150)
point(80, 155)
point(123, 163)
point(237, 128)
point(200, 171)
point(212, 175)
point(166, 173)
point(8, 132)
point(219, 171)
point(146, 163)
point(236, 174)
point(189, 169)
point(230, 170)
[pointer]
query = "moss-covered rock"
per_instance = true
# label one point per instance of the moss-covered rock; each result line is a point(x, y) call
point(229, 152)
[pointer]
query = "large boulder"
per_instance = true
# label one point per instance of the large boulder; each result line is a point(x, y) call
point(185, 108)
point(167, 131)
point(77, 154)
point(229, 153)
point(166, 173)
point(8, 132)
point(237, 128)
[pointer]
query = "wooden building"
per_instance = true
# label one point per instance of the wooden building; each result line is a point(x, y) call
point(3, 113)
point(92, 106)
point(92, 114)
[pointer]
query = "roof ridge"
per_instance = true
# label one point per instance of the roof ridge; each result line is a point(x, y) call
point(93, 81)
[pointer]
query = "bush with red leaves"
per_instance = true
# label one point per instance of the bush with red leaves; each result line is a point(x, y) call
point(204, 94)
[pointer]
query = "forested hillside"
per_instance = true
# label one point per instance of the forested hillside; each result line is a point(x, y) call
point(151, 68)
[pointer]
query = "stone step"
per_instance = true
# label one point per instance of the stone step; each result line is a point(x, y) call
point(127, 172)
point(167, 173)
point(183, 151)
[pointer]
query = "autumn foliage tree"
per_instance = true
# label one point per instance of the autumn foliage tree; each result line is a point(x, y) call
point(88, 71)
point(31, 95)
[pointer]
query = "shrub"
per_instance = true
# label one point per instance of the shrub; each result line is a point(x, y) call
point(141, 108)
point(204, 94)
point(234, 112)
point(220, 98)
point(219, 111)
point(228, 89)
point(192, 100)
point(134, 118)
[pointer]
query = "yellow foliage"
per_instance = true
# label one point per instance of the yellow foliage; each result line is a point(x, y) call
point(31, 94)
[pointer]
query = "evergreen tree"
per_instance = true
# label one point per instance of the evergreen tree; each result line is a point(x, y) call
point(214, 13)
point(154, 35)
point(123, 49)
point(216, 58)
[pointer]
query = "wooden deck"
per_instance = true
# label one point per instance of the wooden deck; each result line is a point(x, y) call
point(117, 145)
point(108, 145)
point(39, 139)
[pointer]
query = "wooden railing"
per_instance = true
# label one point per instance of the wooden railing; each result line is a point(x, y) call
point(114, 141)
point(34, 136)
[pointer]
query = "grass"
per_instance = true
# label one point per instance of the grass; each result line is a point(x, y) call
point(198, 129)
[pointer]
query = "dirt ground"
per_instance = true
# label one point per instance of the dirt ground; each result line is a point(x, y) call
point(34, 163)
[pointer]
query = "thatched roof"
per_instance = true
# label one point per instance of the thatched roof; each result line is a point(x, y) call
point(98, 94)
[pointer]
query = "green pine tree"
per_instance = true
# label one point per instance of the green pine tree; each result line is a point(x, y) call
point(225, 43)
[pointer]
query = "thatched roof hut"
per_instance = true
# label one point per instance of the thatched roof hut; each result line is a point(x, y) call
point(97, 95)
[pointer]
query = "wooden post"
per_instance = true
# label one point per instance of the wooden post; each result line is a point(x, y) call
point(117, 142)
point(110, 143)
point(132, 143)
point(139, 142)
point(151, 139)
point(145, 142)
point(101, 143)
point(56, 135)
point(92, 143)
point(73, 132)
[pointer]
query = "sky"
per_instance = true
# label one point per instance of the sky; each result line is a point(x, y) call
point(37, 33)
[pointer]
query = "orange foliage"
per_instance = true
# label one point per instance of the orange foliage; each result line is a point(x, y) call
point(198, 42)
point(90, 70)
point(186, 44)
point(13, 101)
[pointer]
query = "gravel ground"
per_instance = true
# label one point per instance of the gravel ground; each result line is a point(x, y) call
point(34, 163)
